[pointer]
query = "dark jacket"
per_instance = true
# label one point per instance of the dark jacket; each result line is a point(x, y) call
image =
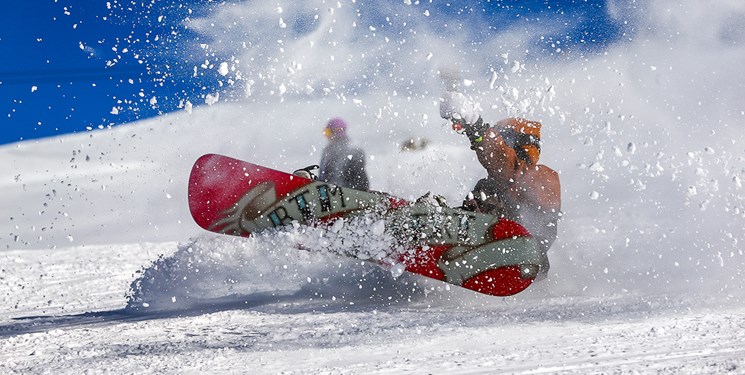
point(344, 165)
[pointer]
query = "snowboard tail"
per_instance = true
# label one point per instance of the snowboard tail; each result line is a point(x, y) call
point(472, 250)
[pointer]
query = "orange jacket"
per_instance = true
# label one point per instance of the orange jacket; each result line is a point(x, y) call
point(533, 190)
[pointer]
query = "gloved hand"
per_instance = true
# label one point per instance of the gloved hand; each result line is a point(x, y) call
point(465, 115)
point(456, 106)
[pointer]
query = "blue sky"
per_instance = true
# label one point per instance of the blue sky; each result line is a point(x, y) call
point(65, 64)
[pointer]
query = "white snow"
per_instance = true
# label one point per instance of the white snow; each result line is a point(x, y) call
point(223, 69)
point(103, 270)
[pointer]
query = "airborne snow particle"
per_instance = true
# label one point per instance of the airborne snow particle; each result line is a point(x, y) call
point(397, 270)
point(223, 69)
point(596, 167)
point(516, 67)
point(210, 99)
point(631, 148)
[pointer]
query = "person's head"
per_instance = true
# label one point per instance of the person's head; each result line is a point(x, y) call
point(524, 136)
point(336, 128)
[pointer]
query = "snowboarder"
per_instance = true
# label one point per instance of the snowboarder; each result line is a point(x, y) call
point(342, 164)
point(516, 186)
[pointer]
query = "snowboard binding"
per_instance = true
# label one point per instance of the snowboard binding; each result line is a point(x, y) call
point(434, 200)
point(307, 172)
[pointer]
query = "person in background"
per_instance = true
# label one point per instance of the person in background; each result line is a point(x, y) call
point(516, 186)
point(342, 164)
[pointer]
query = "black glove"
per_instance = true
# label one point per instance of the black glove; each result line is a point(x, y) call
point(475, 132)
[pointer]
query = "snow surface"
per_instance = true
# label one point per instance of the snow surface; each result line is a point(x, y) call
point(103, 270)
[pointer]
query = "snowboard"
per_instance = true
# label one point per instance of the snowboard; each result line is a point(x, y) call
point(476, 251)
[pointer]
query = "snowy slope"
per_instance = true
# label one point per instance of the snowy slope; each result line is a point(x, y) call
point(71, 318)
point(102, 268)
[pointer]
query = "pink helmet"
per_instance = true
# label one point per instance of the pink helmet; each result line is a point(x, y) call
point(336, 126)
